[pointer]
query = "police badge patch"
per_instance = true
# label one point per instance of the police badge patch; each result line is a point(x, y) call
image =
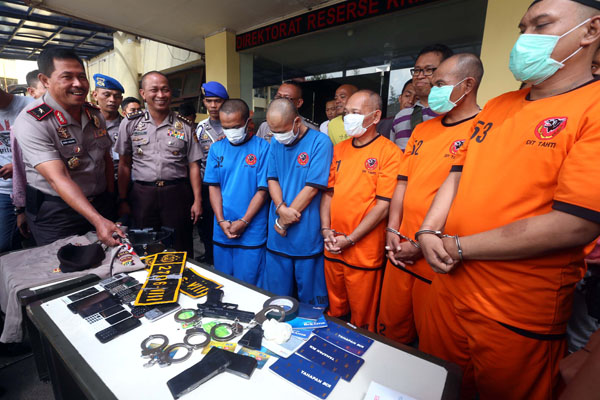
point(73, 162)
point(62, 132)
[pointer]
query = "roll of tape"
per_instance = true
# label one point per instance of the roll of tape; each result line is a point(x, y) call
point(289, 304)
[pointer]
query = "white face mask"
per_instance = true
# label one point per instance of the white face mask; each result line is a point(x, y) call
point(236, 135)
point(353, 124)
point(286, 137)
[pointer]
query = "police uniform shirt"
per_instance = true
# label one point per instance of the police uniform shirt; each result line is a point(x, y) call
point(159, 152)
point(305, 163)
point(265, 132)
point(46, 132)
point(112, 127)
point(208, 132)
point(240, 171)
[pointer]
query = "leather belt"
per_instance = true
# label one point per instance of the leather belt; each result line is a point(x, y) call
point(162, 183)
point(56, 199)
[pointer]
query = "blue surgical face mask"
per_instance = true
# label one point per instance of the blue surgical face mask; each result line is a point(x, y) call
point(439, 98)
point(530, 58)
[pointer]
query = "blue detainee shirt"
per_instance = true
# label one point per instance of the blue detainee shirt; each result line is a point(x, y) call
point(240, 171)
point(306, 163)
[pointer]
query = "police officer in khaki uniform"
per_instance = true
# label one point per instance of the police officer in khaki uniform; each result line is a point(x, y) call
point(66, 152)
point(158, 146)
point(209, 131)
point(109, 96)
point(292, 92)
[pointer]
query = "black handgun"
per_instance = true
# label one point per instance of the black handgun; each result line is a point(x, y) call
point(215, 308)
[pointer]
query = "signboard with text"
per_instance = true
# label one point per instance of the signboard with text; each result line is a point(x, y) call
point(327, 17)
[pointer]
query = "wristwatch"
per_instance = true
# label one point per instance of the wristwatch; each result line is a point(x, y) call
point(19, 210)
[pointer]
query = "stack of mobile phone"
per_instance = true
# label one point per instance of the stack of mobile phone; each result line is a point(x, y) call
point(94, 305)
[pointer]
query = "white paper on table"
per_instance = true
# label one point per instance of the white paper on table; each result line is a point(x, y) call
point(379, 392)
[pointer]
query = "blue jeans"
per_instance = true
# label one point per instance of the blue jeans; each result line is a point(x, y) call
point(8, 223)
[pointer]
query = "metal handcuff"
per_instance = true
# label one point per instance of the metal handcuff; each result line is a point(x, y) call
point(161, 354)
point(237, 329)
point(442, 235)
point(195, 317)
point(401, 236)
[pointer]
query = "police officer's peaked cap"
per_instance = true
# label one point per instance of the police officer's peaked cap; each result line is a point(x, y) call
point(77, 258)
point(215, 89)
point(106, 82)
point(589, 3)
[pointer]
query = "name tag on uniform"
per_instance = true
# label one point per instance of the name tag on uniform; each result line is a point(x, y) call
point(142, 139)
point(176, 134)
point(67, 142)
point(98, 133)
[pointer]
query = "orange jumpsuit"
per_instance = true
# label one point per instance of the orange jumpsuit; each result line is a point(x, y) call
point(359, 176)
point(431, 151)
point(504, 321)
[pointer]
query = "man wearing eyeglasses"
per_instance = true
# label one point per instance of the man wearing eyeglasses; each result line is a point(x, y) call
point(428, 60)
point(293, 92)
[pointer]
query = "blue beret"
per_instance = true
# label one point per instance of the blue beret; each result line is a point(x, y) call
point(215, 89)
point(106, 82)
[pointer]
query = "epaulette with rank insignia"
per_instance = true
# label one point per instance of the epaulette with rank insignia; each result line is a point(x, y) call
point(91, 105)
point(135, 114)
point(40, 112)
point(189, 121)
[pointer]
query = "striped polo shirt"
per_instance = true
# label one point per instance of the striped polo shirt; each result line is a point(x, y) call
point(401, 129)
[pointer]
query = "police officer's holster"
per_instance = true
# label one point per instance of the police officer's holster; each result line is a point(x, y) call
point(50, 218)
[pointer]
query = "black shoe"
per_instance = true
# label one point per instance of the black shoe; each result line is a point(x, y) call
point(204, 260)
point(14, 349)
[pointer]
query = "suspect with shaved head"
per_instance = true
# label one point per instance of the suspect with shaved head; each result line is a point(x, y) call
point(236, 173)
point(362, 179)
point(299, 162)
point(521, 206)
point(430, 153)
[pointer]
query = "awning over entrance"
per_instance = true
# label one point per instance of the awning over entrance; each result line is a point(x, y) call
point(181, 23)
point(26, 31)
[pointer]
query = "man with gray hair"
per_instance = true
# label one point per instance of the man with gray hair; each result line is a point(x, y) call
point(297, 173)
point(362, 179)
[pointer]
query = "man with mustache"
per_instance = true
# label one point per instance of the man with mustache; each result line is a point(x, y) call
point(158, 146)
point(66, 151)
